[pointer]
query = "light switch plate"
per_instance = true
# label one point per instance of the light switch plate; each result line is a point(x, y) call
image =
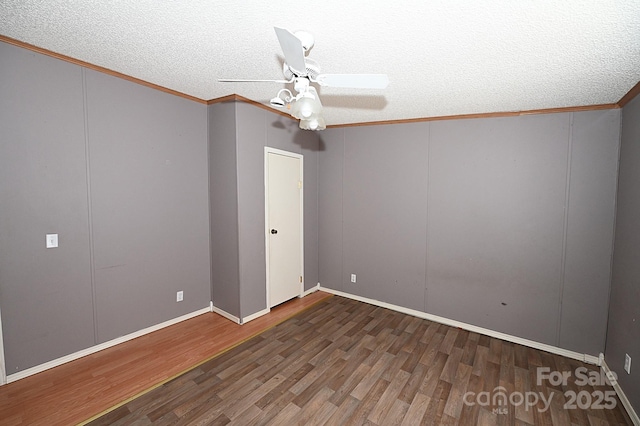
point(52, 240)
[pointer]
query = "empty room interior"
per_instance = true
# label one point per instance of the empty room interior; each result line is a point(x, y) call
point(464, 201)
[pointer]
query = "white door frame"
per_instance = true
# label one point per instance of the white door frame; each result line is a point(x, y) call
point(268, 150)
point(3, 371)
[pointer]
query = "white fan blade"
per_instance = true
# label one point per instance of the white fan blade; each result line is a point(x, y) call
point(356, 81)
point(293, 50)
point(240, 80)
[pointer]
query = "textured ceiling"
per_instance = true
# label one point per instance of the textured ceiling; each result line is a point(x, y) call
point(442, 57)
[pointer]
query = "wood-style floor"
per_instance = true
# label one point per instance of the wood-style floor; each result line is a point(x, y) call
point(343, 362)
point(76, 391)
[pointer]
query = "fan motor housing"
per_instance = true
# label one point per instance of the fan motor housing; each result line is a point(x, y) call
point(312, 68)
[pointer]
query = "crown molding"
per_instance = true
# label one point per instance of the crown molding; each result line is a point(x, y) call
point(635, 91)
point(237, 98)
point(88, 65)
point(484, 115)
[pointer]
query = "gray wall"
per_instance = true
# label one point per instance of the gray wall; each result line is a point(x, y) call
point(595, 149)
point(504, 223)
point(223, 187)
point(384, 212)
point(119, 171)
point(238, 134)
point(149, 198)
point(623, 336)
point(45, 294)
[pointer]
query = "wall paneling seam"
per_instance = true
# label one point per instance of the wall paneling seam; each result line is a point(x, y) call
point(92, 266)
point(426, 228)
point(565, 226)
point(613, 234)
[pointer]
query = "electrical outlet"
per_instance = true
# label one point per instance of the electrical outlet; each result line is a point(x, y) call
point(627, 363)
point(52, 241)
point(180, 296)
point(353, 278)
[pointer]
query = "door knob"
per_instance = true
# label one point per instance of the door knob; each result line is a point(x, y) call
point(274, 231)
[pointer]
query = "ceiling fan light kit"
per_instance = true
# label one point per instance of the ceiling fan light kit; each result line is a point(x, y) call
point(280, 102)
point(308, 109)
point(301, 71)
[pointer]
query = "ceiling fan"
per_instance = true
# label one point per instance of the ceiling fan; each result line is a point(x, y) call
point(302, 71)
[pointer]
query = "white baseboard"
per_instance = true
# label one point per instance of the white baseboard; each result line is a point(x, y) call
point(623, 398)
point(3, 372)
point(225, 314)
point(256, 315)
point(93, 349)
point(267, 310)
point(470, 327)
point(311, 290)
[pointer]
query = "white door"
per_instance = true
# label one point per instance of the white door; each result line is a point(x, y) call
point(283, 208)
